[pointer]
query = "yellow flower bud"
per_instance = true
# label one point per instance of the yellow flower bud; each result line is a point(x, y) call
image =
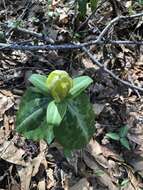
point(59, 83)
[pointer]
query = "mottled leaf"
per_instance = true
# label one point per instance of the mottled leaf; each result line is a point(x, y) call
point(31, 117)
point(44, 131)
point(82, 7)
point(77, 126)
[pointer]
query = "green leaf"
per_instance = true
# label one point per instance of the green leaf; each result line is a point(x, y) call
point(113, 136)
point(141, 1)
point(77, 126)
point(14, 23)
point(67, 153)
point(93, 4)
point(82, 7)
point(125, 143)
point(79, 85)
point(125, 182)
point(56, 112)
point(39, 81)
point(99, 173)
point(2, 37)
point(123, 131)
point(31, 116)
point(42, 132)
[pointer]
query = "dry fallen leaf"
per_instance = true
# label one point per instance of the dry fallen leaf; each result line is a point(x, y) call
point(25, 174)
point(32, 169)
point(14, 187)
point(98, 108)
point(134, 181)
point(51, 180)
point(12, 154)
point(94, 148)
point(63, 18)
point(2, 136)
point(104, 178)
point(83, 184)
point(41, 185)
point(88, 63)
point(40, 159)
point(6, 103)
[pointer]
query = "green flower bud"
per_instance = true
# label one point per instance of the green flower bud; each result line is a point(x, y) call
point(59, 83)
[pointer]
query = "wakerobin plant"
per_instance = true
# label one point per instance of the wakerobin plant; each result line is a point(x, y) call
point(57, 107)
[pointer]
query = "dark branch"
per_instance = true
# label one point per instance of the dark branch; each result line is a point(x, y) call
point(99, 40)
point(95, 61)
point(23, 47)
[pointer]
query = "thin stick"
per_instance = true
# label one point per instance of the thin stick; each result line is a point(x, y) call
point(4, 4)
point(72, 46)
point(4, 46)
point(95, 61)
point(32, 33)
point(115, 20)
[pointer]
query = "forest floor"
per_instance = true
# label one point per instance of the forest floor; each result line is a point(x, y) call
point(105, 163)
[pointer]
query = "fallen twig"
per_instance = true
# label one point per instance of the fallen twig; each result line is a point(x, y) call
point(115, 20)
point(32, 33)
point(51, 46)
point(95, 61)
point(24, 47)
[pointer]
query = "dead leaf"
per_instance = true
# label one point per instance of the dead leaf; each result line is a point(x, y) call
point(63, 18)
point(83, 184)
point(104, 178)
point(41, 185)
point(7, 126)
point(6, 93)
point(134, 181)
point(40, 159)
point(32, 169)
point(14, 187)
point(6, 103)
point(98, 108)
point(25, 174)
point(12, 154)
point(94, 148)
point(88, 63)
point(51, 180)
point(2, 136)
point(54, 4)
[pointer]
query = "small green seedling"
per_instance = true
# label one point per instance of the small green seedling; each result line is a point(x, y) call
point(82, 6)
point(14, 23)
point(56, 107)
point(121, 137)
point(124, 183)
point(141, 2)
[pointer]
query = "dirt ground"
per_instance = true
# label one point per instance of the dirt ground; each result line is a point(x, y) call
point(105, 164)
